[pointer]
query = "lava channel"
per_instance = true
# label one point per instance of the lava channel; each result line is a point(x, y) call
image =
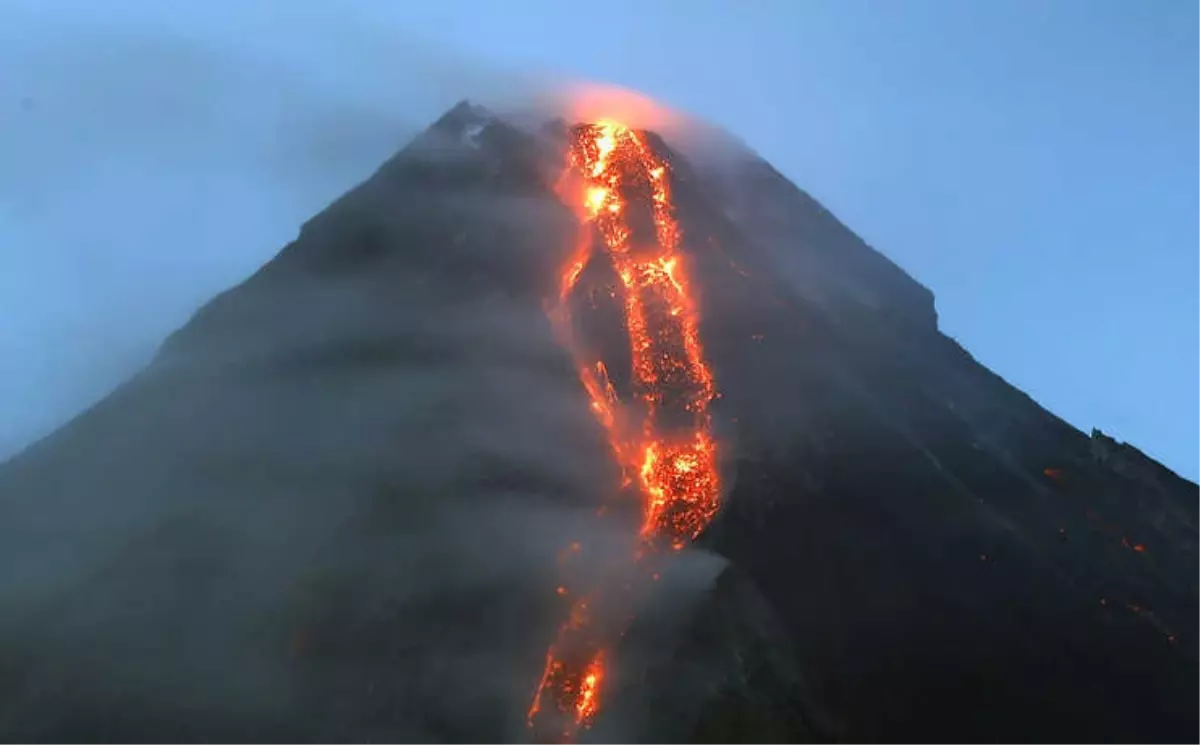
point(662, 434)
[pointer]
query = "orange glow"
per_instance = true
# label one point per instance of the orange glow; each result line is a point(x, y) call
point(572, 676)
point(662, 437)
point(593, 102)
point(589, 690)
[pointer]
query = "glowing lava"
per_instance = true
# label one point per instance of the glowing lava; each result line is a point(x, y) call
point(574, 671)
point(673, 451)
point(661, 437)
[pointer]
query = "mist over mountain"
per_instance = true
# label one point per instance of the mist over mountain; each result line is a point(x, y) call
point(150, 130)
point(333, 505)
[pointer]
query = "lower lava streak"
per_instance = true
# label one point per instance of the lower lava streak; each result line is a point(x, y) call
point(659, 428)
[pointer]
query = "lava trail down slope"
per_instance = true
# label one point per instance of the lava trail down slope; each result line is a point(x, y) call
point(665, 438)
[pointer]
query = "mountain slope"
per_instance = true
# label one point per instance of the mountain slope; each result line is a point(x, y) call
point(332, 507)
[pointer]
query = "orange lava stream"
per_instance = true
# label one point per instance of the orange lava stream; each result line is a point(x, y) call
point(674, 456)
point(663, 438)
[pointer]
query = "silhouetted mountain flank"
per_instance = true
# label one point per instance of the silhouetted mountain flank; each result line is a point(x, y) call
point(332, 508)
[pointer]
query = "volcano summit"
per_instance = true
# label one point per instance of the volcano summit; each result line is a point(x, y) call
point(574, 433)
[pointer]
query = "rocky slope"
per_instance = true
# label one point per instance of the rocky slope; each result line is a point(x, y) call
point(331, 508)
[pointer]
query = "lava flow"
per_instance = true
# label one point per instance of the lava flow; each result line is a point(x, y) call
point(672, 451)
point(661, 436)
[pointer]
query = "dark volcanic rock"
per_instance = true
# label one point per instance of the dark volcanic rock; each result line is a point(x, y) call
point(719, 669)
point(953, 561)
point(331, 508)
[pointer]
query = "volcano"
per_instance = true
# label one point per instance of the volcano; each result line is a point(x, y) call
point(575, 433)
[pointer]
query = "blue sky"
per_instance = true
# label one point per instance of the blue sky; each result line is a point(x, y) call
point(1034, 164)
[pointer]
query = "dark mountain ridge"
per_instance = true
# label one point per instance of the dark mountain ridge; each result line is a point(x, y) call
point(330, 508)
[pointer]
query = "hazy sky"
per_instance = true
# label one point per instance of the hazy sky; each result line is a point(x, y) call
point(1033, 163)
